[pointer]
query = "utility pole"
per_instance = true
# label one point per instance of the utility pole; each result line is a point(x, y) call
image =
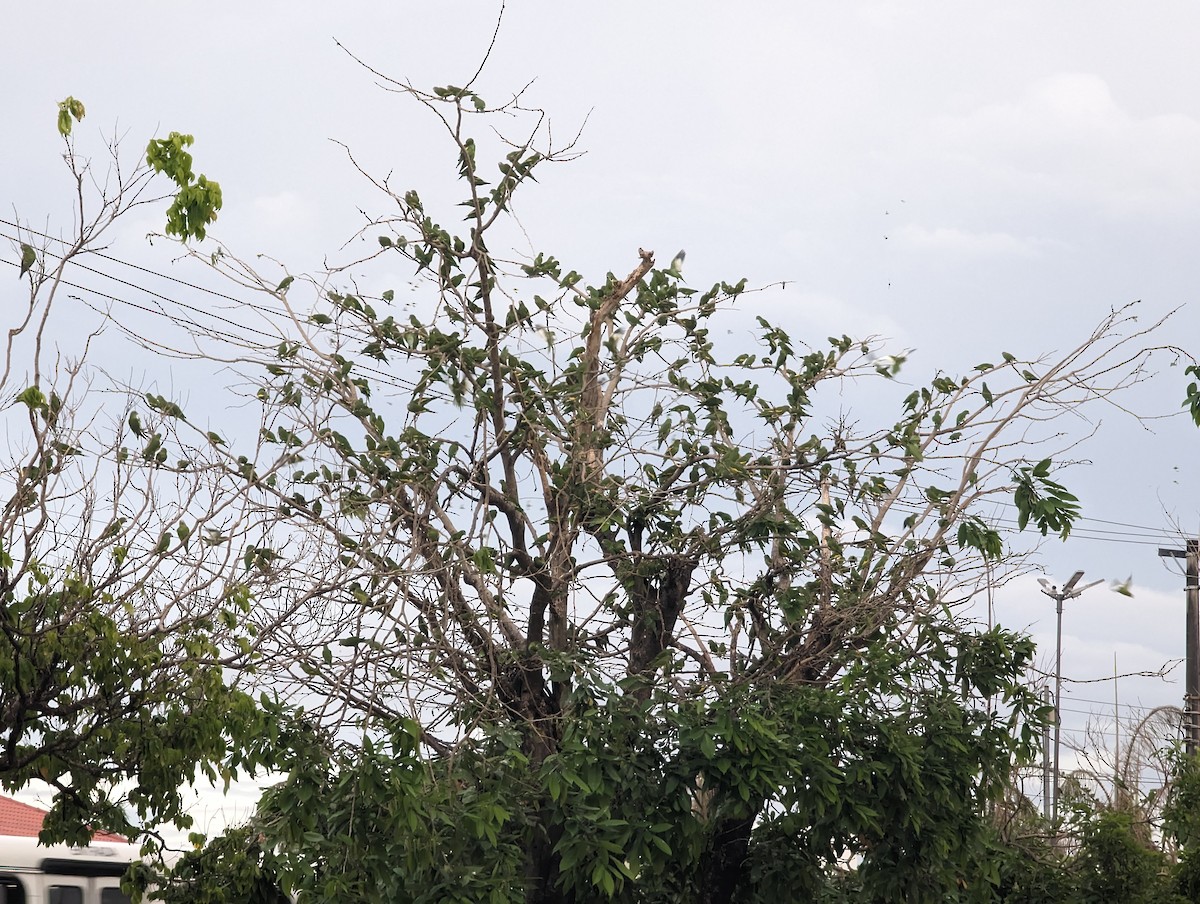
point(1068, 592)
point(1116, 731)
point(1191, 694)
point(1047, 786)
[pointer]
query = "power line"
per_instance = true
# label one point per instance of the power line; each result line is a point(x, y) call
point(186, 323)
point(117, 260)
point(154, 294)
point(150, 310)
point(1109, 703)
point(1145, 536)
point(1138, 534)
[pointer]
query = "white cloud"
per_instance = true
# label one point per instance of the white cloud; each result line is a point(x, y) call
point(957, 242)
point(1067, 136)
point(1144, 633)
point(817, 314)
point(285, 210)
point(270, 223)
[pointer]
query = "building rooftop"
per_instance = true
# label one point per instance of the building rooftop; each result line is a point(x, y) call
point(25, 821)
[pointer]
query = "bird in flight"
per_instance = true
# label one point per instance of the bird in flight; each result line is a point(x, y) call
point(1123, 587)
point(676, 268)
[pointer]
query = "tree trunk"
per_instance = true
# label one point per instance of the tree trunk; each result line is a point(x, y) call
point(541, 867)
point(722, 871)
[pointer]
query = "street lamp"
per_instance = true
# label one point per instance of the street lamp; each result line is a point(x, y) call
point(1068, 592)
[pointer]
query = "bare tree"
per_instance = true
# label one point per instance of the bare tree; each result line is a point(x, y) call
point(535, 558)
point(120, 537)
point(529, 484)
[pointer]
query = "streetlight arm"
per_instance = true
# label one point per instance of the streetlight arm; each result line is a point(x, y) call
point(1078, 590)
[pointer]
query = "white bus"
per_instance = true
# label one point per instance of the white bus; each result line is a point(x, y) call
point(31, 873)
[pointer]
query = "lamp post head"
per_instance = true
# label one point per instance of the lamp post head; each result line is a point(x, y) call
point(1069, 590)
point(1070, 585)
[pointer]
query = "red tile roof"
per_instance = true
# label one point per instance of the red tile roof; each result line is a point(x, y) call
point(25, 821)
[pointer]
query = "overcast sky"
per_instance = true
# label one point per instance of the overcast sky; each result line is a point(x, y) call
point(963, 178)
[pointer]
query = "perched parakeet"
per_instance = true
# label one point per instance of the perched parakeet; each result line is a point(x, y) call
point(28, 259)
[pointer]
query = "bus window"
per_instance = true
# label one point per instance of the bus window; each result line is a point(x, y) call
point(11, 890)
point(65, 894)
point(110, 896)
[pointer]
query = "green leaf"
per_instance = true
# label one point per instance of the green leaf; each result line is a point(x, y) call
point(199, 198)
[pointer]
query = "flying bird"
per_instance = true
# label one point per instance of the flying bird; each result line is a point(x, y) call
point(1122, 587)
point(676, 268)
